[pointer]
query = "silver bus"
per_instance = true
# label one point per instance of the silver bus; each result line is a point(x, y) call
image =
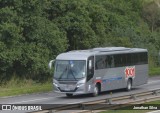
point(99, 69)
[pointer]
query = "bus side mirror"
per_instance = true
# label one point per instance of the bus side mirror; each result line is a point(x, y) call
point(50, 64)
point(90, 64)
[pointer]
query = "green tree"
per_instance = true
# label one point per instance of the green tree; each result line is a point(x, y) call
point(28, 39)
point(151, 12)
point(75, 22)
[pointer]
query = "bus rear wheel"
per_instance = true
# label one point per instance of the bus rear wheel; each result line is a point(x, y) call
point(69, 95)
point(129, 85)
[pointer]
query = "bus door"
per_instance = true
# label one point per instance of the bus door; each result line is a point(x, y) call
point(90, 73)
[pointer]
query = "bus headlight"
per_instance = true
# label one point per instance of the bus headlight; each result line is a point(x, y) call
point(55, 84)
point(80, 85)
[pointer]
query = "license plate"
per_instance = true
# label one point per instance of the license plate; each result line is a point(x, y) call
point(69, 87)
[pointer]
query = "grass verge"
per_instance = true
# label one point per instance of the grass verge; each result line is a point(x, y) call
point(18, 87)
point(154, 71)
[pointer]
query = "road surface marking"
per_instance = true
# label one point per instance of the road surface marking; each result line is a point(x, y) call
point(75, 102)
point(157, 111)
point(153, 81)
point(33, 100)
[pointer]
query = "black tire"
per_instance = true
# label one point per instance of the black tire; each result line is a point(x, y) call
point(129, 85)
point(96, 91)
point(69, 95)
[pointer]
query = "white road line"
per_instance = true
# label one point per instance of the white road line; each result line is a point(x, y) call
point(150, 82)
point(23, 95)
point(33, 100)
point(30, 100)
point(157, 111)
point(75, 102)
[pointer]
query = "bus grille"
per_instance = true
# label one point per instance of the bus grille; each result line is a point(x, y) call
point(68, 82)
point(67, 90)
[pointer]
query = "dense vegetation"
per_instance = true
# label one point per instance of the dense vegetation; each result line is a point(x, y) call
point(32, 32)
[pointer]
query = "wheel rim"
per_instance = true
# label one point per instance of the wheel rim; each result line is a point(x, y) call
point(95, 91)
point(129, 85)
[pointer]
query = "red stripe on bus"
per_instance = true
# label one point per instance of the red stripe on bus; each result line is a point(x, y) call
point(96, 81)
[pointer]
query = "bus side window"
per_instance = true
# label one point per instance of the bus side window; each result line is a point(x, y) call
point(90, 68)
point(100, 62)
point(110, 62)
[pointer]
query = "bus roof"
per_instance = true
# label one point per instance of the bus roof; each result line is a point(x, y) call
point(84, 54)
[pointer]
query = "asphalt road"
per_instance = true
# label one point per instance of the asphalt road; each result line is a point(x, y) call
point(54, 98)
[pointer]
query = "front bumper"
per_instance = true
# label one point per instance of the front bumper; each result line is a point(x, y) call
point(77, 90)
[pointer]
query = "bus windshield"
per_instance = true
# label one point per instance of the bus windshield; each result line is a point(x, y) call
point(70, 69)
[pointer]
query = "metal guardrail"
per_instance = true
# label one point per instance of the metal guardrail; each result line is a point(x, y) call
point(108, 103)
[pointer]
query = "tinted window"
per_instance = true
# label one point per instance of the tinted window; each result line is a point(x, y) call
point(143, 59)
point(120, 60)
point(135, 58)
point(110, 61)
point(90, 72)
point(101, 62)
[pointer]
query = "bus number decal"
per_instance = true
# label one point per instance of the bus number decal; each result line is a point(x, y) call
point(130, 72)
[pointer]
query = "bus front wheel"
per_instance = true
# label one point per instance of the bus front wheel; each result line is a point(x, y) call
point(69, 95)
point(96, 91)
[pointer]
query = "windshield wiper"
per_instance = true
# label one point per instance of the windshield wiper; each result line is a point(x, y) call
point(63, 73)
point(73, 74)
